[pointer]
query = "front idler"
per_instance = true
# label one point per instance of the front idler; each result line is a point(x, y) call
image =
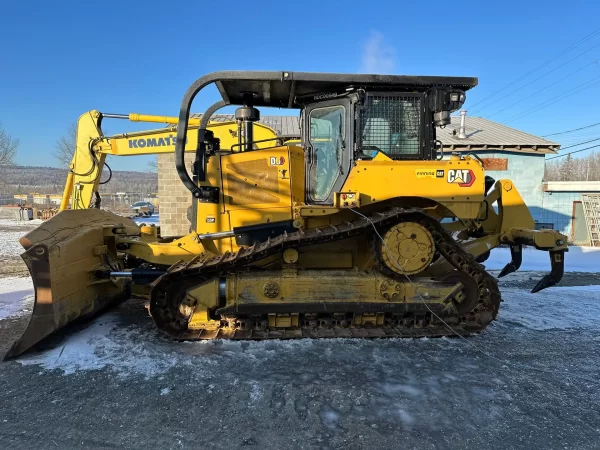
point(557, 262)
point(516, 257)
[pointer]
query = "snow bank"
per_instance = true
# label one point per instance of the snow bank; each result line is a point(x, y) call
point(16, 296)
point(577, 259)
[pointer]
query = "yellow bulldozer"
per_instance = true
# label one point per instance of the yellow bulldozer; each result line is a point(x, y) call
point(361, 228)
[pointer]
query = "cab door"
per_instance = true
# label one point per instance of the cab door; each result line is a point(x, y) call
point(329, 147)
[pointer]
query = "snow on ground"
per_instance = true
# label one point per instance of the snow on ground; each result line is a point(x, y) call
point(16, 296)
point(11, 232)
point(560, 308)
point(153, 219)
point(106, 344)
point(19, 223)
point(140, 349)
point(9, 243)
point(577, 259)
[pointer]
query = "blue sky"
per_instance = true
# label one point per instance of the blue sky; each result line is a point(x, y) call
point(63, 58)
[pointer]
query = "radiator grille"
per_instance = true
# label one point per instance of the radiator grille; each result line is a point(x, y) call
point(391, 124)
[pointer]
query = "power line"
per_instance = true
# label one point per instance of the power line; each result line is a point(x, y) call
point(571, 131)
point(577, 145)
point(564, 144)
point(576, 151)
point(575, 141)
point(552, 101)
point(578, 136)
point(540, 77)
point(581, 41)
point(541, 90)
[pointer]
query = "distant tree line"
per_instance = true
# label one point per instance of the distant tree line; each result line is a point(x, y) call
point(50, 180)
point(586, 168)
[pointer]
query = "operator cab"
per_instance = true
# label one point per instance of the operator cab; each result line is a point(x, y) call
point(344, 118)
point(359, 124)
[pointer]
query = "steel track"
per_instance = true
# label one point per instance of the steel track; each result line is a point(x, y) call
point(169, 290)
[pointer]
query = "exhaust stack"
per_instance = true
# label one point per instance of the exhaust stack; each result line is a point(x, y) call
point(461, 130)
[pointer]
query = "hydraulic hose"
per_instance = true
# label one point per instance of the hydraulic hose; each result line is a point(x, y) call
point(184, 115)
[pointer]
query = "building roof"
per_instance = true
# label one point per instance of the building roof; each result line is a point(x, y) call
point(482, 134)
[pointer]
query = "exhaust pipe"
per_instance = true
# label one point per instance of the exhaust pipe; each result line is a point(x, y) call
point(461, 130)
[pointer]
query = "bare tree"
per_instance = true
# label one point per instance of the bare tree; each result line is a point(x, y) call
point(153, 165)
point(568, 169)
point(8, 151)
point(586, 168)
point(8, 148)
point(65, 146)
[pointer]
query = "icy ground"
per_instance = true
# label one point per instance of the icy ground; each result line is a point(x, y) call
point(531, 380)
point(135, 350)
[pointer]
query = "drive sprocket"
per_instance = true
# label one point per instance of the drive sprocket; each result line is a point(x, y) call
point(407, 248)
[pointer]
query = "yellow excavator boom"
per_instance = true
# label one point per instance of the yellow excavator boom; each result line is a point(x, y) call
point(92, 147)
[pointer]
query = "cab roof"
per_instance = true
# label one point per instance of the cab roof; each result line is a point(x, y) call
point(279, 89)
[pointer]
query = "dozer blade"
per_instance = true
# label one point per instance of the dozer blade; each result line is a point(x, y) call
point(62, 255)
point(557, 262)
point(516, 258)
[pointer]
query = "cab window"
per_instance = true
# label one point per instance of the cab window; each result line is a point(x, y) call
point(326, 135)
